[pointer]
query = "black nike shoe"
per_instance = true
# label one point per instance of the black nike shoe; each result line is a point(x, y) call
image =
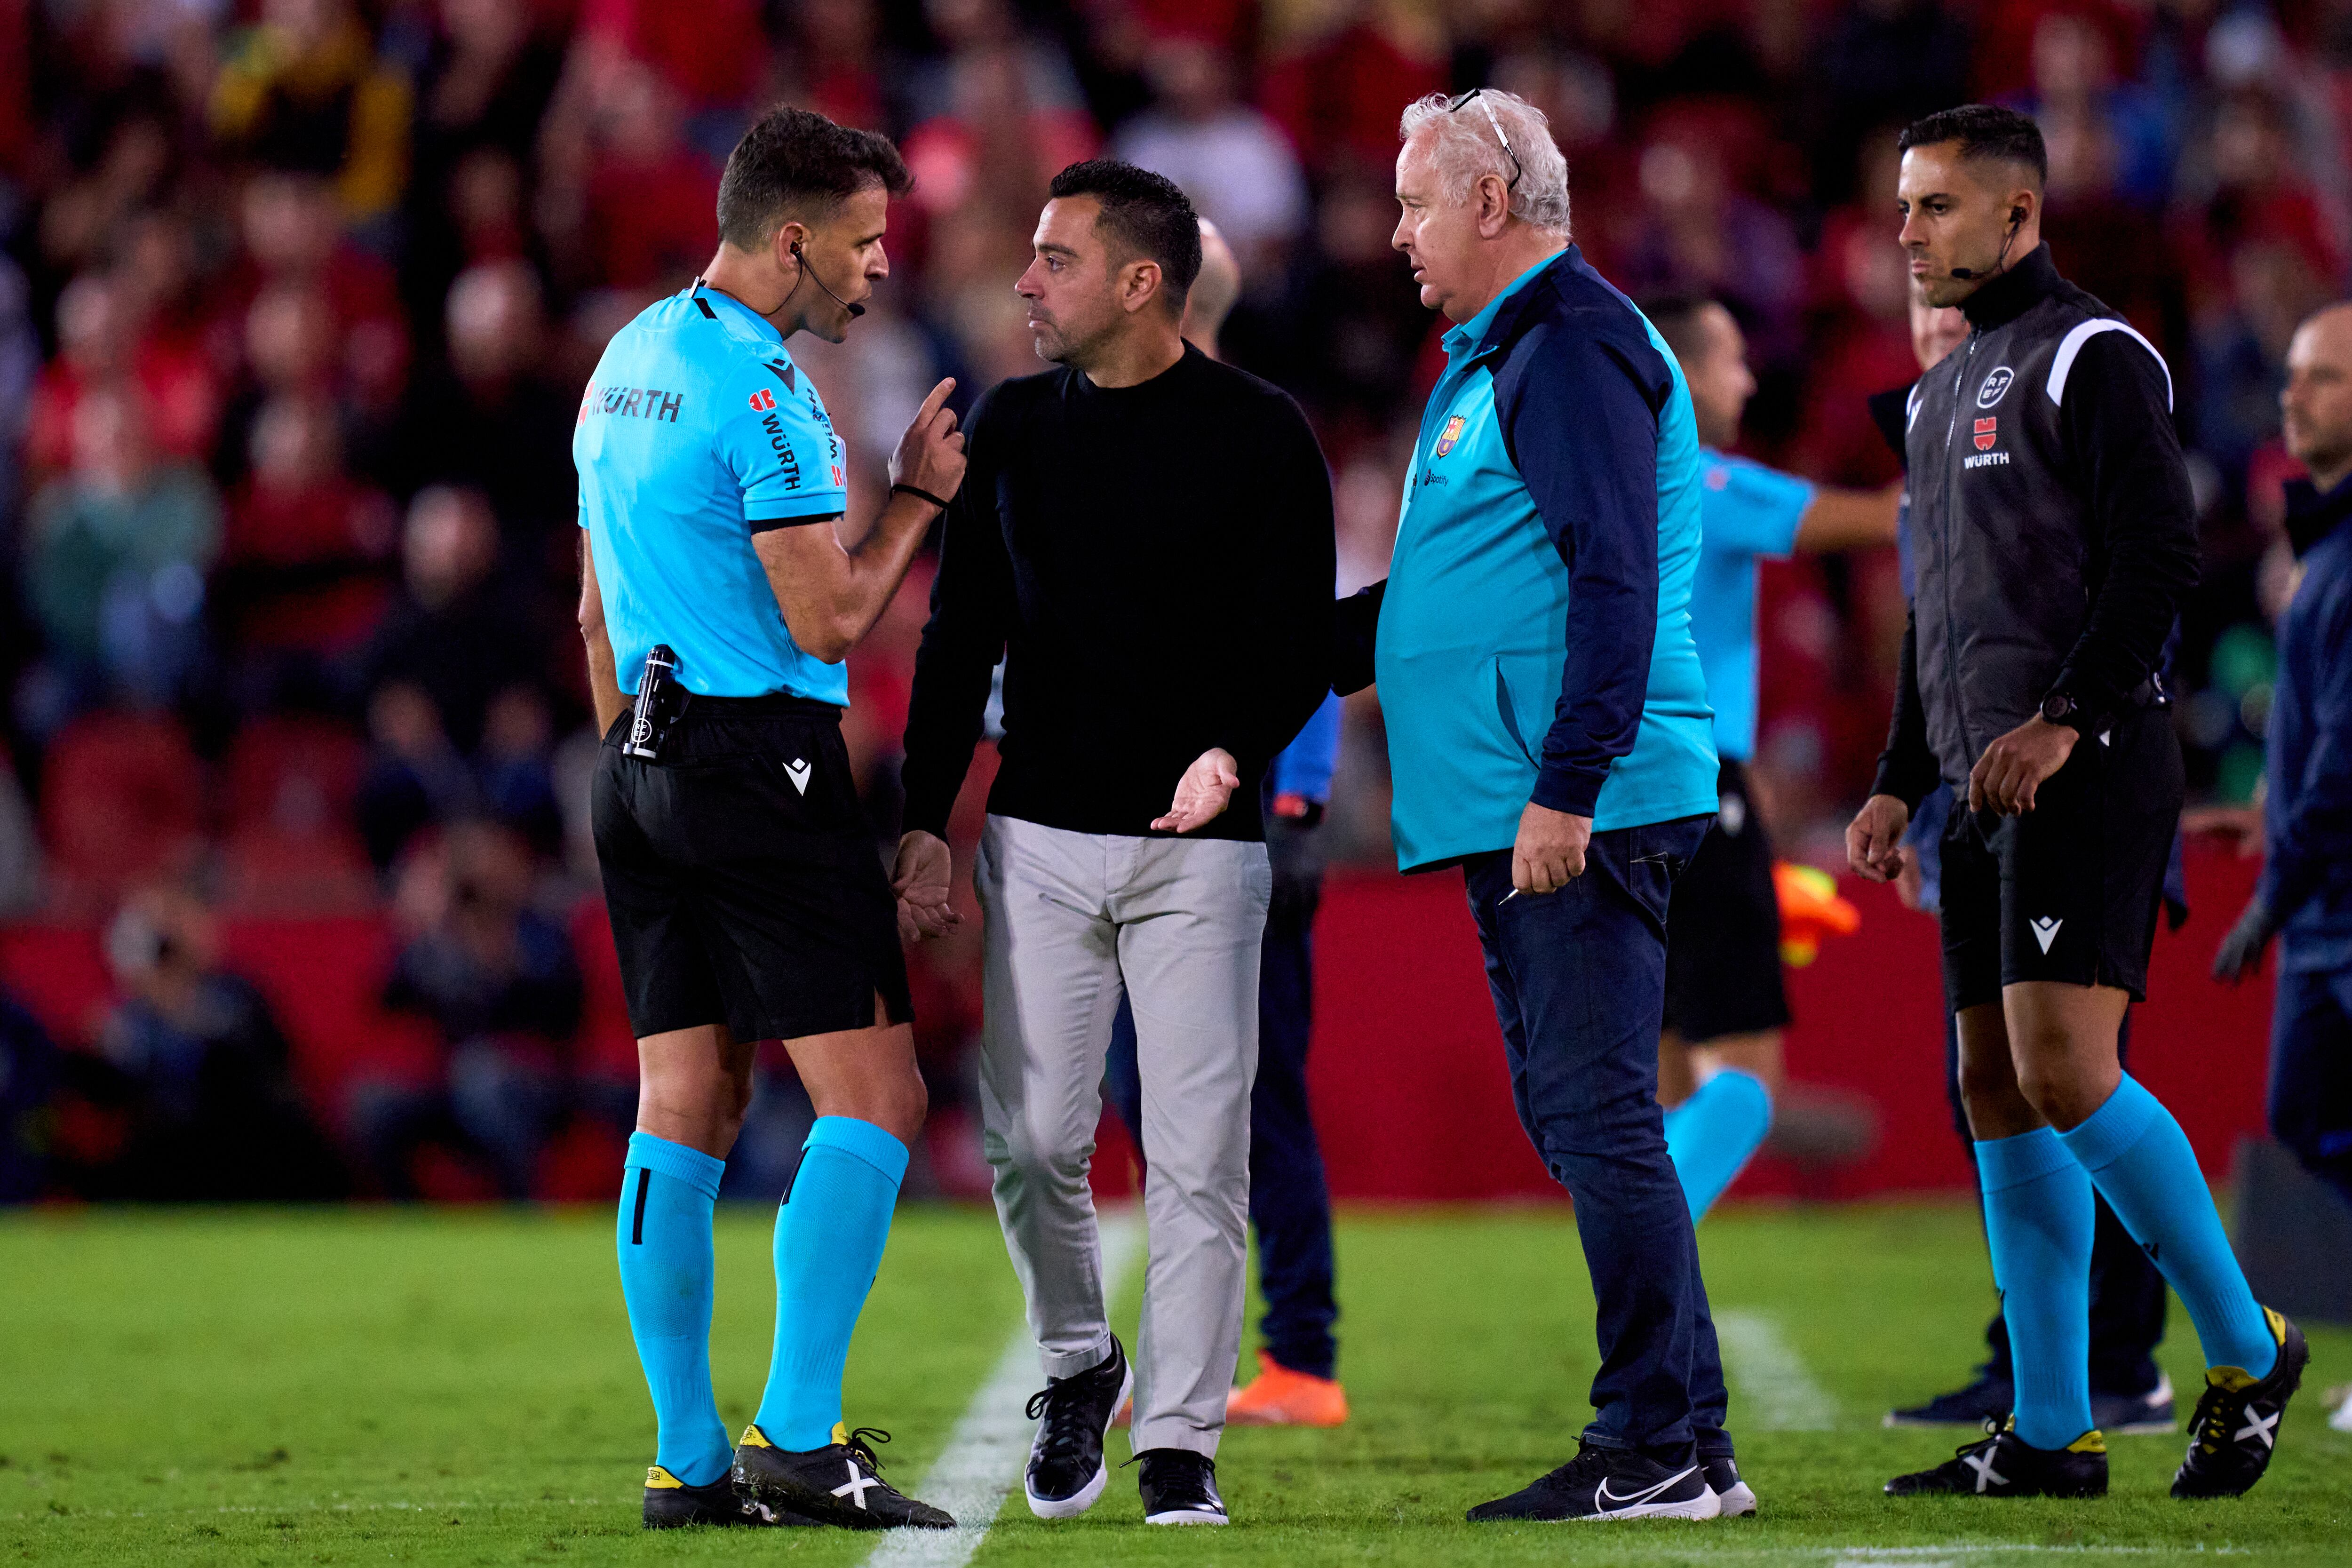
point(2148, 1415)
point(1737, 1497)
point(839, 1484)
point(2002, 1464)
point(2235, 1429)
point(1066, 1471)
point(1609, 1483)
point(1179, 1487)
point(670, 1503)
point(1989, 1398)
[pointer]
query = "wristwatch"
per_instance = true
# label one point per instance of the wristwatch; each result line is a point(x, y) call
point(2059, 708)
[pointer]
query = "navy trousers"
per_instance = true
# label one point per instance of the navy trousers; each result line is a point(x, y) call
point(2311, 1072)
point(1289, 1204)
point(1579, 978)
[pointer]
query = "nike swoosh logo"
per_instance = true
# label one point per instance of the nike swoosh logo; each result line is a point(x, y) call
point(1604, 1498)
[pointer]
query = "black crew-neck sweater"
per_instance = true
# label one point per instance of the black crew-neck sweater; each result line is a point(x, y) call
point(1154, 563)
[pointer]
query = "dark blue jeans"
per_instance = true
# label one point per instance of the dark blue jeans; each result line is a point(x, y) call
point(1578, 977)
point(2311, 1072)
point(1289, 1206)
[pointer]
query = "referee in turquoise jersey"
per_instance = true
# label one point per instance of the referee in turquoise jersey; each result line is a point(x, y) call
point(717, 602)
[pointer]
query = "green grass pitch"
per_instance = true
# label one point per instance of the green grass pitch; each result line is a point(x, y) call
point(356, 1387)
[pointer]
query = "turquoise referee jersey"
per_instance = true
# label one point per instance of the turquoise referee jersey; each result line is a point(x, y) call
point(696, 433)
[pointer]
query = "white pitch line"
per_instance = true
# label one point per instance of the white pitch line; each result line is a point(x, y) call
point(1776, 1393)
point(986, 1454)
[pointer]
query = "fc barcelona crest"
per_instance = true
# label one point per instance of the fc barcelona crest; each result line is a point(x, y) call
point(1451, 434)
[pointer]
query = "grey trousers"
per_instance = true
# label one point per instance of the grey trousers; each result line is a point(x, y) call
point(1075, 919)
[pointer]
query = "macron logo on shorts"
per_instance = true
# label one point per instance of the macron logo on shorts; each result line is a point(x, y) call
point(2045, 931)
point(798, 771)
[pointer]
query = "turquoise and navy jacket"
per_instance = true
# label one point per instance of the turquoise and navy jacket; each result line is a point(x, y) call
point(1532, 640)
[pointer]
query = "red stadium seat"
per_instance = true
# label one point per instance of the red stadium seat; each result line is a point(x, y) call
point(286, 805)
point(123, 800)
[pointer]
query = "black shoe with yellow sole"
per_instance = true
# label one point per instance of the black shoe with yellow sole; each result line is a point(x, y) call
point(2235, 1429)
point(671, 1504)
point(840, 1484)
point(2002, 1464)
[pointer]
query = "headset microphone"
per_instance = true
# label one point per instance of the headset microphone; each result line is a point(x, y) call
point(810, 272)
point(2016, 219)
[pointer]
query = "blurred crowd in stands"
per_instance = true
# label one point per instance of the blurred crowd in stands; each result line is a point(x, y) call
point(296, 298)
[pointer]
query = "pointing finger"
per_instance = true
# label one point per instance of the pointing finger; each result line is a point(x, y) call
point(932, 404)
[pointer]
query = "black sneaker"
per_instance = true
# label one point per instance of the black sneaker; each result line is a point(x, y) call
point(1735, 1496)
point(2148, 1415)
point(1179, 1487)
point(670, 1503)
point(839, 1484)
point(2002, 1464)
point(1609, 1483)
point(1066, 1471)
point(1989, 1398)
point(2235, 1429)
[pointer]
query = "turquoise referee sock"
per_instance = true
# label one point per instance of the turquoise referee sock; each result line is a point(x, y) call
point(829, 1237)
point(1712, 1135)
point(667, 1193)
point(2038, 1222)
point(2142, 1162)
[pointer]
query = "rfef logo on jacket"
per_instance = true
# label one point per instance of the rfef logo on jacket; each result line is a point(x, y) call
point(1988, 432)
point(1451, 434)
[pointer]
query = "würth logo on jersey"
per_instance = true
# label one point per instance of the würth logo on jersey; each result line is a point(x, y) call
point(763, 400)
point(1988, 432)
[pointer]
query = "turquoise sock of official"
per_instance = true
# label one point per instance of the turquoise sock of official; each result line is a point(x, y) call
point(2039, 1219)
point(1712, 1134)
point(668, 1191)
point(2142, 1162)
point(829, 1237)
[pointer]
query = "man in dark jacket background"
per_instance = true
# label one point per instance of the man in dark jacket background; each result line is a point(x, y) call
point(2054, 533)
point(2306, 893)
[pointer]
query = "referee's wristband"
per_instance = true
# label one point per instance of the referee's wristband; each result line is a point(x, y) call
point(920, 495)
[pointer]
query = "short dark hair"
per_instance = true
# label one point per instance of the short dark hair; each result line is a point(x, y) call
point(1144, 214)
point(792, 159)
point(1676, 317)
point(1983, 131)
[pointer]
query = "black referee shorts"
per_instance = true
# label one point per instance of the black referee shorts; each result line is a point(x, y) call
point(742, 883)
point(1723, 928)
point(2070, 890)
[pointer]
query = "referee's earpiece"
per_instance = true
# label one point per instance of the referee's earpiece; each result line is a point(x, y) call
point(810, 272)
point(2016, 221)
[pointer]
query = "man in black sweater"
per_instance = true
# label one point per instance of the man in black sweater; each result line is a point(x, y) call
point(1144, 536)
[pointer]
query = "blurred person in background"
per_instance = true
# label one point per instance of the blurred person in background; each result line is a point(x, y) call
point(1232, 160)
point(2130, 1394)
point(500, 984)
point(453, 630)
point(302, 90)
point(484, 87)
point(1719, 1065)
point(1289, 1202)
point(115, 556)
point(496, 423)
point(306, 565)
point(192, 1064)
point(2053, 548)
point(1123, 851)
point(1548, 732)
point(2304, 897)
point(100, 345)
